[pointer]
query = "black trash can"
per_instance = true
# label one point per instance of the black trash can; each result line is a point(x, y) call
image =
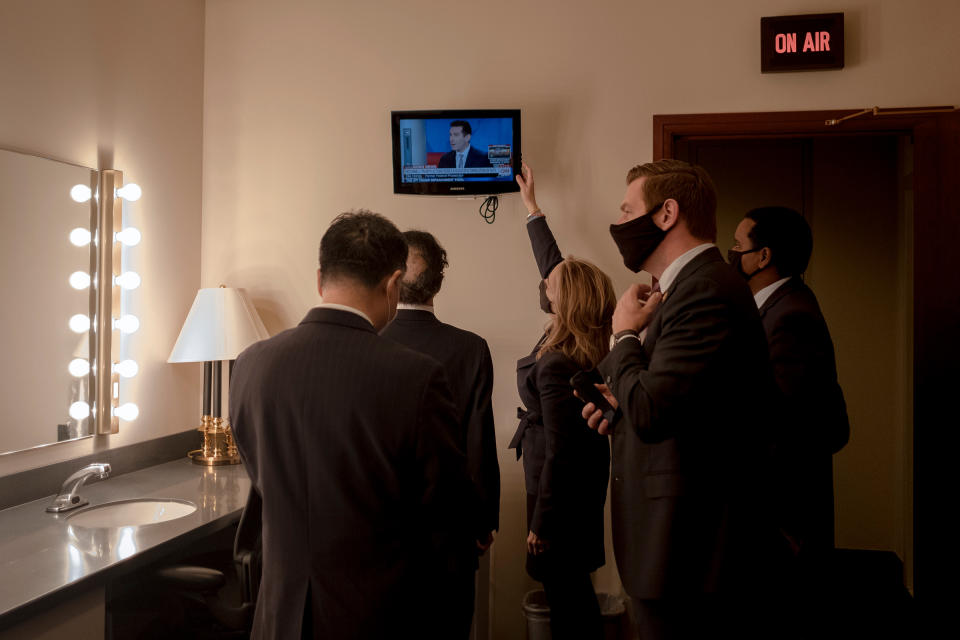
point(537, 613)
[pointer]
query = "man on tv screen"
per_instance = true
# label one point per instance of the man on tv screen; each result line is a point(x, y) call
point(462, 155)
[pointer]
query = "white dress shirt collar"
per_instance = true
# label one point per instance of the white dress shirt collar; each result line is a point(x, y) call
point(764, 294)
point(416, 307)
point(343, 307)
point(670, 273)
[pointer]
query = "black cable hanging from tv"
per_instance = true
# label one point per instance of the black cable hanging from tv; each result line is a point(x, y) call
point(488, 209)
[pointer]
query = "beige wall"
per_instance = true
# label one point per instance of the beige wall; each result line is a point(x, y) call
point(119, 84)
point(297, 105)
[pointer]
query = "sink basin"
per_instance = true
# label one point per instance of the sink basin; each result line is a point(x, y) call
point(131, 513)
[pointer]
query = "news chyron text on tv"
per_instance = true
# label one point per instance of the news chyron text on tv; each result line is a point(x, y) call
point(456, 152)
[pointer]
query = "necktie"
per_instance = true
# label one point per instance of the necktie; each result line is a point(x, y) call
point(460, 160)
point(656, 287)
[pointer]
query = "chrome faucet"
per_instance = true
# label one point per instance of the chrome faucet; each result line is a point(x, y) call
point(67, 498)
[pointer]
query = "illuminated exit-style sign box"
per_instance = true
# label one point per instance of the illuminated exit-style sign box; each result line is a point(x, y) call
point(801, 43)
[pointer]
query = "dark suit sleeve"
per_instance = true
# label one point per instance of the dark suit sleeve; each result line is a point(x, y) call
point(241, 416)
point(803, 364)
point(447, 160)
point(447, 497)
point(545, 249)
point(561, 416)
point(482, 445)
point(654, 394)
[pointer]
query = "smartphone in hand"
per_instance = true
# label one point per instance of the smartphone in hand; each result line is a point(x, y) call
point(583, 383)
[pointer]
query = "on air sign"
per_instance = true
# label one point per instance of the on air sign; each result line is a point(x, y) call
point(801, 43)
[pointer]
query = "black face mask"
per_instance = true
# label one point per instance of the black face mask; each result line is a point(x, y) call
point(734, 258)
point(544, 300)
point(637, 239)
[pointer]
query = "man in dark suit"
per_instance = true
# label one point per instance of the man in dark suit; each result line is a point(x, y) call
point(350, 439)
point(771, 250)
point(461, 154)
point(689, 449)
point(469, 370)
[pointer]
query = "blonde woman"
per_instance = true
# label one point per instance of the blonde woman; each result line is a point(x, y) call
point(565, 463)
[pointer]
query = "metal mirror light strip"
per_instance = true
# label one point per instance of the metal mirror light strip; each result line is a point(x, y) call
point(110, 219)
point(92, 336)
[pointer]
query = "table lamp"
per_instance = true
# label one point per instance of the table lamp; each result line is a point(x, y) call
point(222, 322)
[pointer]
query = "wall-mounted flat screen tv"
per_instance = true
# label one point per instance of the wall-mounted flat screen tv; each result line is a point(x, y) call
point(464, 152)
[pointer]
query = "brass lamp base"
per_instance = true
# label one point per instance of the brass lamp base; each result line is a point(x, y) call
point(218, 445)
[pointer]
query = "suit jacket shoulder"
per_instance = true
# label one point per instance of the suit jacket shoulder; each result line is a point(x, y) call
point(451, 346)
point(555, 366)
point(794, 296)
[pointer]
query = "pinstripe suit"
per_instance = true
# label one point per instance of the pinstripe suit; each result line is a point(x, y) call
point(350, 439)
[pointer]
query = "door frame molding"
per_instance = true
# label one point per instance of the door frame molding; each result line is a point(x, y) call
point(936, 287)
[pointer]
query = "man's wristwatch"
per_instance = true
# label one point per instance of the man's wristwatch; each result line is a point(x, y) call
point(620, 335)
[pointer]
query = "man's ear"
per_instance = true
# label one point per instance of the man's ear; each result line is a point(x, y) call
point(766, 257)
point(319, 283)
point(668, 215)
point(392, 282)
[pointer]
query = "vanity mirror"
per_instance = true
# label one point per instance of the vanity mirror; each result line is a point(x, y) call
point(63, 296)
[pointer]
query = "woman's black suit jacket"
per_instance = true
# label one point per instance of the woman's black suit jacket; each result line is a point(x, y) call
point(566, 465)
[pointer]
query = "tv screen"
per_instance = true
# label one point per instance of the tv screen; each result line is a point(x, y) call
point(466, 152)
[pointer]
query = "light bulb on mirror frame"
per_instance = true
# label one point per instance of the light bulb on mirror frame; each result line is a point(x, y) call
point(129, 237)
point(130, 192)
point(80, 323)
point(79, 410)
point(127, 411)
point(127, 323)
point(128, 280)
point(79, 280)
point(126, 368)
point(80, 193)
point(80, 237)
point(78, 367)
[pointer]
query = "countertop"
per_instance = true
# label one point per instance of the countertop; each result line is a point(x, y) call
point(42, 556)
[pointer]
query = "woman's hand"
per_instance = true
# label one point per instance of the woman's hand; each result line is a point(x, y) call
point(526, 189)
point(535, 545)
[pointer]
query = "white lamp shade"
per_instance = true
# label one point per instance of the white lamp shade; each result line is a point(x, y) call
point(222, 322)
